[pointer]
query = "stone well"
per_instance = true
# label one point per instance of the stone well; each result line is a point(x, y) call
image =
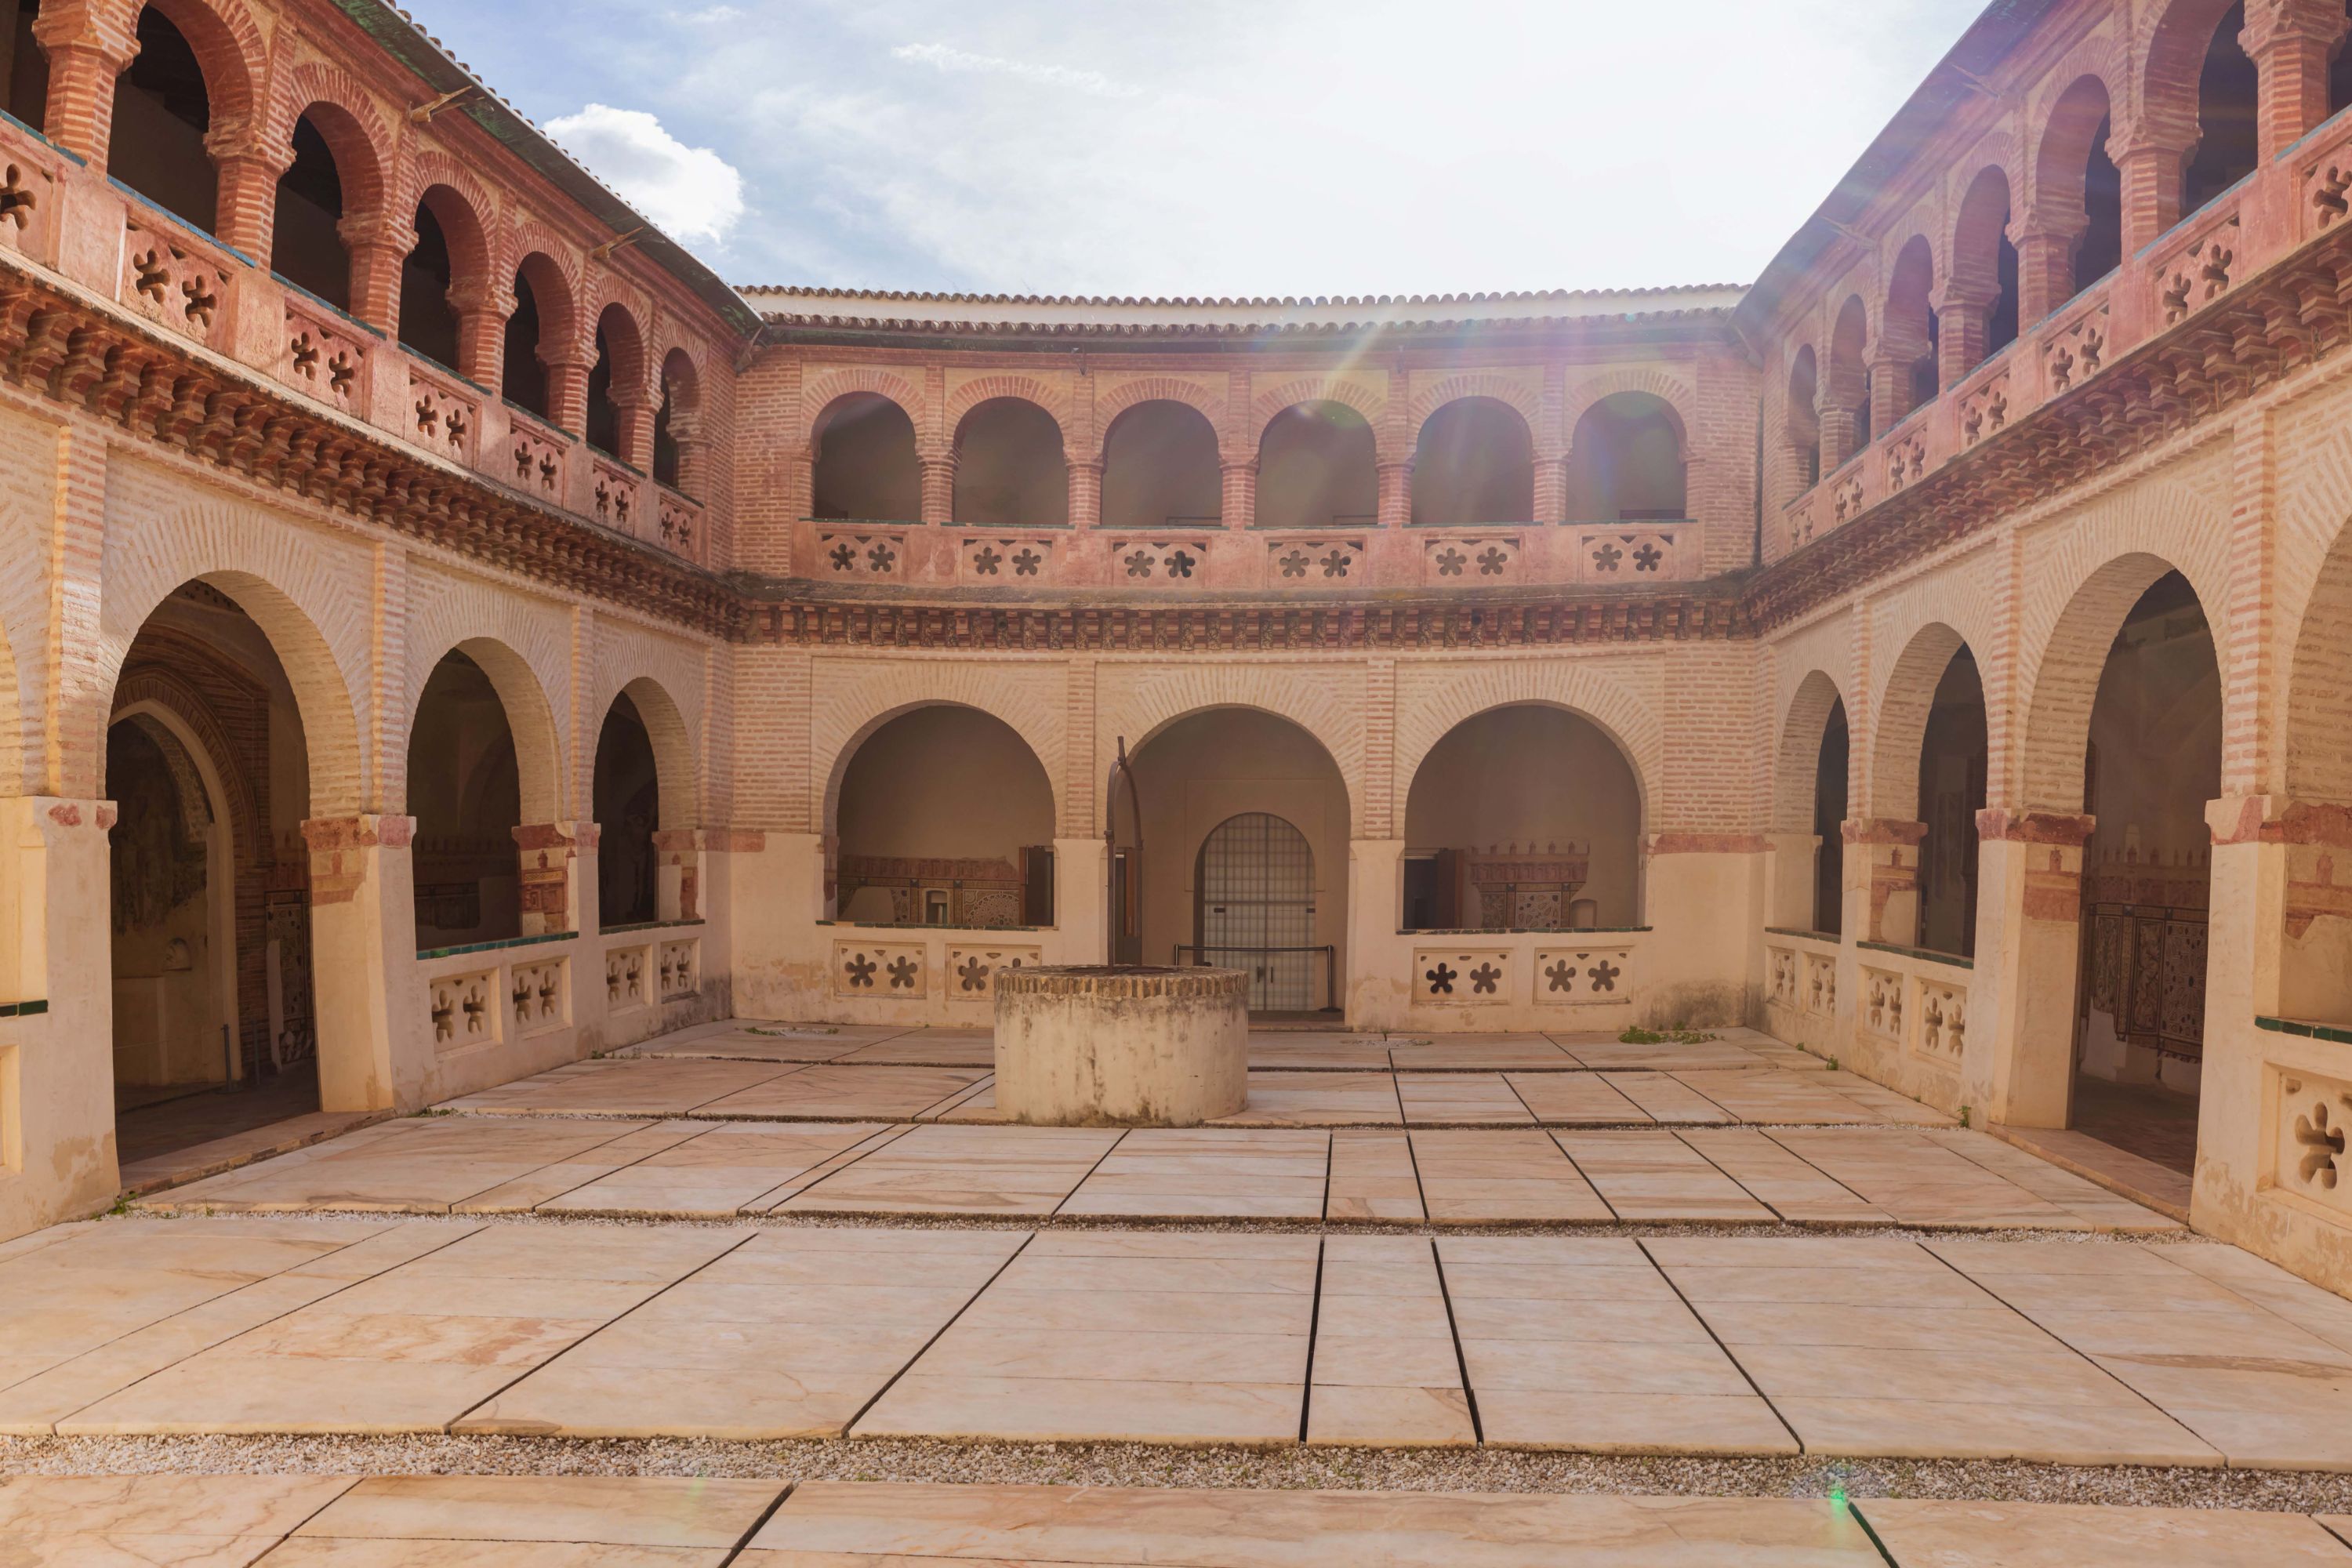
point(1087, 1046)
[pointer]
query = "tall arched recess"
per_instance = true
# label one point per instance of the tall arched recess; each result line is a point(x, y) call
point(916, 844)
point(1526, 817)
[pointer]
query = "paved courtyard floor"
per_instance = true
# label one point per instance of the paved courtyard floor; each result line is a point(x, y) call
point(1712, 1254)
point(436, 1521)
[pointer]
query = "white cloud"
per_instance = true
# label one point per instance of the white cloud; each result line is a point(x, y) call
point(690, 192)
point(946, 61)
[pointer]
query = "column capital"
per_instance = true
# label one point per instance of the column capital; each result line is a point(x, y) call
point(2001, 825)
point(2278, 819)
point(1882, 830)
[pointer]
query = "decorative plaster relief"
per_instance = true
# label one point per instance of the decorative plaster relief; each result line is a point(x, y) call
point(2307, 1149)
point(989, 562)
point(1159, 563)
point(885, 968)
point(1882, 995)
point(1314, 562)
point(1627, 555)
point(1584, 975)
point(862, 556)
point(626, 972)
point(971, 971)
point(322, 356)
point(681, 967)
point(1943, 1010)
point(1448, 977)
point(1459, 560)
point(539, 995)
point(464, 1010)
point(170, 282)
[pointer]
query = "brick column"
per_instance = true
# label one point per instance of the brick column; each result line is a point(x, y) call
point(1548, 485)
point(2045, 269)
point(567, 388)
point(87, 46)
point(1086, 492)
point(2152, 169)
point(1237, 496)
point(375, 1046)
point(636, 433)
point(938, 486)
point(2018, 1065)
point(482, 310)
point(1964, 328)
point(1395, 503)
point(693, 453)
point(250, 173)
point(1883, 857)
point(2290, 42)
point(1835, 421)
point(376, 248)
point(1890, 392)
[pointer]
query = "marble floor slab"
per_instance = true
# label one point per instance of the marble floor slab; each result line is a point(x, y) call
point(960, 1170)
point(844, 1092)
point(1653, 1176)
point(1208, 1172)
point(726, 1168)
point(624, 1086)
point(1476, 1177)
point(1386, 1370)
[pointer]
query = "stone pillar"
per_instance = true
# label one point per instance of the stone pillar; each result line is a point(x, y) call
point(1883, 865)
point(1839, 433)
point(1795, 857)
point(636, 433)
point(1378, 985)
point(1086, 492)
point(551, 886)
point(1704, 895)
point(1081, 902)
point(1395, 502)
point(1890, 392)
point(781, 958)
point(87, 47)
point(2290, 42)
point(938, 486)
point(1550, 486)
point(56, 950)
point(374, 1049)
point(2018, 1063)
point(2045, 269)
point(2250, 921)
point(677, 890)
point(1237, 496)
point(693, 456)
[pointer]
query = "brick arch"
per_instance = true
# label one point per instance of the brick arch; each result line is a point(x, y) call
point(2065, 678)
point(2318, 738)
point(2170, 65)
point(1894, 328)
point(1677, 396)
point(525, 657)
point(988, 388)
point(1900, 728)
point(230, 50)
point(1209, 404)
point(1323, 703)
point(818, 397)
point(1526, 404)
point(2053, 192)
point(365, 150)
point(317, 622)
point(850, 709)
point(654, 669)
point(1977, 227)
point(155, 690)
point(1795, 769)
point(468, 213)
point(533, 248)
point(676, 771)
point(1354, 394)
point(679, 376)
point(624, 335)
point(1633, 724)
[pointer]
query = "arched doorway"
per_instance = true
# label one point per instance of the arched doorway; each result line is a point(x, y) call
point(215, 1028)
point(1953, 757)
point(1253, 909)
point(628, 792)
point(1829, 792)
point(465, 790)
point(2152, 761)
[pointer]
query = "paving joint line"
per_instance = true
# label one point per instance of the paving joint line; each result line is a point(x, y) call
point(635, 1309)
point(2088, 1360)
point(896, 1131)
point(591, 1149)
point(1314, 1327)
point(472, 1229)
point(1586, 1177)
point(1672, 1284)
point(1056, 1211)
point(1717, 1165)
point(1331, 1160)
point(1419, 1189)
point(1826, 1174)
point(1869, 1531)
point(1461, 1355)
point(760, 1523)
point(954, 1318)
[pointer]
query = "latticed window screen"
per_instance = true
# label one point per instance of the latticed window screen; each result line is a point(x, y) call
point(1258, 893)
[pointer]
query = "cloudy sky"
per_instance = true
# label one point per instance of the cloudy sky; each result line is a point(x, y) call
point(1213, 146)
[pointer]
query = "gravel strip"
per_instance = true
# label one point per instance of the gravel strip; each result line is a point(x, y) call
point(1141, 1465)
point(928, 1221)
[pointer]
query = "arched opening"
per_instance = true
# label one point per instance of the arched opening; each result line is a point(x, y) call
point(24, 68)
point(616, 386)
point(1195, 775)
point(306, 245)
point(944, 816)
point(1831, 788)
point(627, 803)
point(215, 1028)
point(1801, 419)
point(2080, 190)
point(2228, 133)
point(2153, 760)
point(1984, 268)
point(2340, 72)
point(162, 111)
point(1625, 461)
point(1254, 909)
point(523, 375)
point(1912, 331)
point(465, 790)
point(1161, 468)
point(865, 465)
point(1526, 817)
point(1849, 388)
point(428, 321)
point(1474, 462)
point(1953, 755)
point(674, 422)
point(1009, 470)
point(1317, 468)
point(2316, 955)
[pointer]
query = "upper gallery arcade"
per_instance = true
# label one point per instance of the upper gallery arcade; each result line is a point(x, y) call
point(451, 632)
